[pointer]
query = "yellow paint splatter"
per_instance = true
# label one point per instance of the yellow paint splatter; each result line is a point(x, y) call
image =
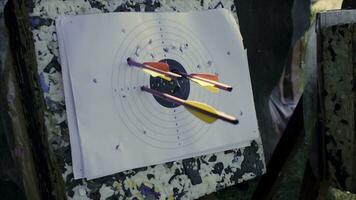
point(116, 185)
point(130, 183)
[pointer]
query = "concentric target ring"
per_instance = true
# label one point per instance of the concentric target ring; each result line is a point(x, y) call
point(142, 115)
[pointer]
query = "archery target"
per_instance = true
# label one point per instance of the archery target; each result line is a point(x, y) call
point(145, 117)
point(115, 125)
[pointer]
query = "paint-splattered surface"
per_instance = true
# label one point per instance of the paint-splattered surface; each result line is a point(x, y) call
point(338, 99)
point(187, 179)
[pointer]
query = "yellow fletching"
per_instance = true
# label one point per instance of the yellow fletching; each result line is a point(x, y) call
point(206, 118)
point(206, 85)
point(156, 74)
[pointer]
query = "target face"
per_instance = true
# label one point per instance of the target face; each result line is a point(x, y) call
point(153, 120)
point(115, 125)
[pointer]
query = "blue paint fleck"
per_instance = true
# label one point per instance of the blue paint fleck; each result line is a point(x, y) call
point(236, 159)
point(43, 84)
point(149, 192)
point(35, 21)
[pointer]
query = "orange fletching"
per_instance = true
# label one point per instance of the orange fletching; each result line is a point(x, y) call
point(212, 77)
point(158, 65)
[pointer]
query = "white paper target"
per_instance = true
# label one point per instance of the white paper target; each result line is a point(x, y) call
point(120, 127)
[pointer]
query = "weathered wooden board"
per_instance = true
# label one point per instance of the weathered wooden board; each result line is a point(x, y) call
point(337, 70)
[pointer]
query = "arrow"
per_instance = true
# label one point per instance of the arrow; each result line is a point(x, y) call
point(201, 110)
point(160, 70)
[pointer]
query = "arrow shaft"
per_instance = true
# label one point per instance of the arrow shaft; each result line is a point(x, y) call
point(132, 62)
point(215, 83)
point(164, 96)
point(169, 74)
point(218, 114)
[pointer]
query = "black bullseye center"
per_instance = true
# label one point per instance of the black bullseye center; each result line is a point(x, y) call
point(179, 88)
